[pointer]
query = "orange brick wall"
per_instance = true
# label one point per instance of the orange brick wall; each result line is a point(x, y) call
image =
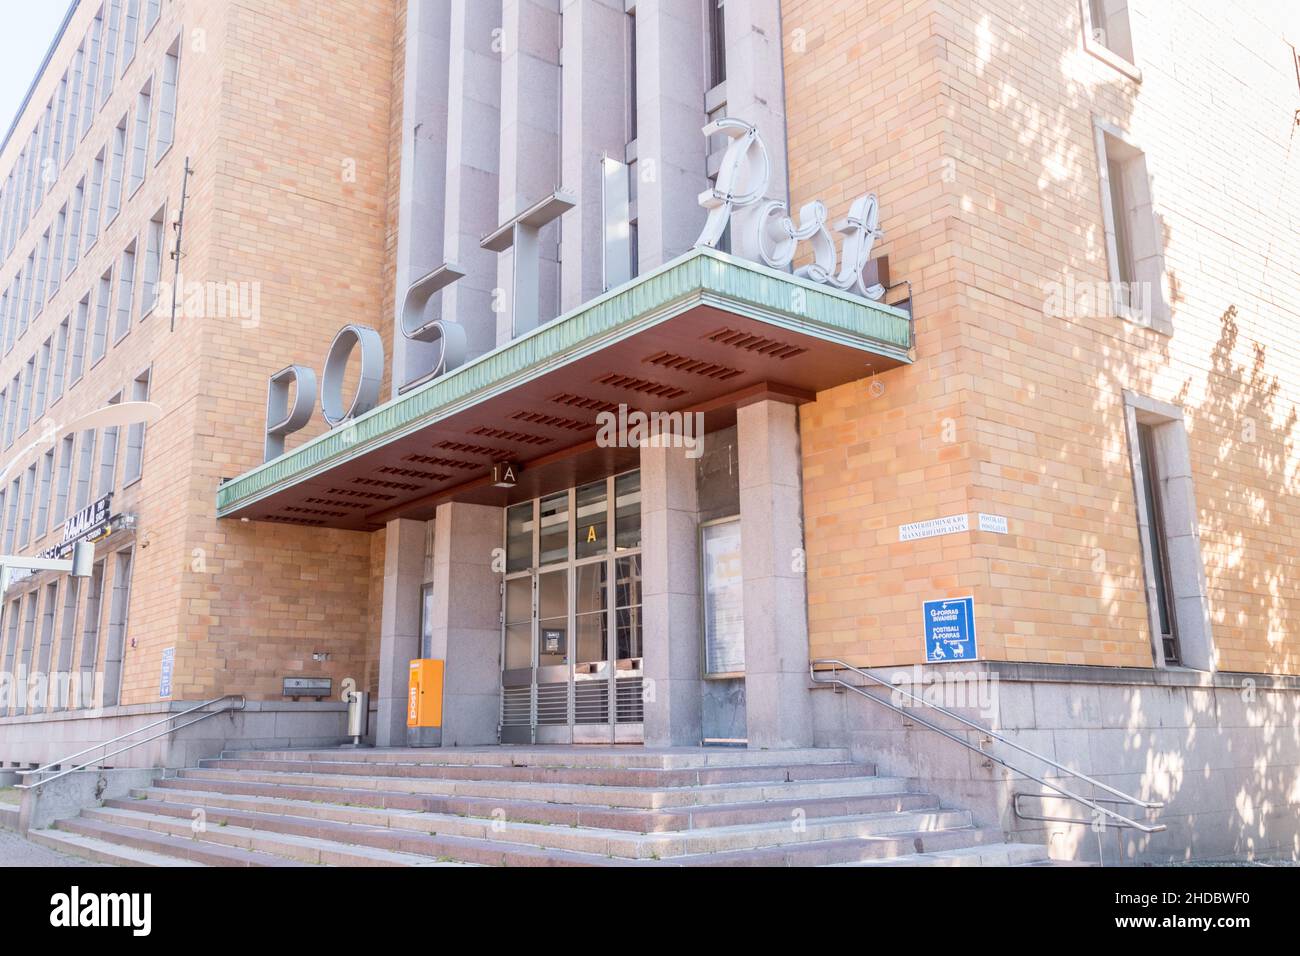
point(974, 123)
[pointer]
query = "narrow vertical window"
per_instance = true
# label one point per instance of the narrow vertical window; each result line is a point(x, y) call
point(11, 416)
point(77, 357)
point(108, 455)
point(1157, 545)
point(74, 226)
point(67, 638)
point(93, 200)
point(74, 102)
point(167, 101)
point(140, 136)
point(152, 263)
point(99, 334)
point(91, 72)
point(84, 467)
point(11, 519)
point(29, 490)
point(116, 170)
point(25, 411)
point(63, 484)
point(125, 293)
point(59, 361)
point(43, 499)
point(118, 608)
point(110, 50)
point(42, 268)
point(42, 379)
point(130, 31)
point(56, 249)
point(90, 624)
point(152, 8)
point(134, 465)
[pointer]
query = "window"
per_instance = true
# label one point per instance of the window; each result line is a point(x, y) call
point(110, 50)
point(125, 293)
point(48, 608)
point(152, 263)
point(84, 467)
point(117, 617)
point(74, 103)
point(25, 410)
point(42, 267)
point(29, 634)
point(92, 69)
point(11, 521)
point(140, 136)
point(4, 312)
point(43, 501)
point(1107, 34)
point(4, 417)
point(116, 169)
point(67, 636)
point(92, 205)
point(108, 455)
point(11, 416)
point(152, 8)
point(1134, 248)
point(42, 146)
point(11, 643)
point(99, 334)
point(63, 485)
point(29, 489)
point(59, 361)
point(60, 128)
point(1169, 533)
point(134, 465)
point(90, 623)
point(130, 30)
point(78, 356)
point(42, 379)
point(29, 270)
point(56, 251)
point(74, 225)
point(167, 100)
point(724, 619)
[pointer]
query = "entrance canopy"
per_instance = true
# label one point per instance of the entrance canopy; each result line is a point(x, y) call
point(705, 333)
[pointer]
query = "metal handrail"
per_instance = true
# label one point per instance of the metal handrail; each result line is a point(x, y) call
point(1094, 804)
point(234, 698)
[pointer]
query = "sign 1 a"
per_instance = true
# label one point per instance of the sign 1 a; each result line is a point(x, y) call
point(950, 630)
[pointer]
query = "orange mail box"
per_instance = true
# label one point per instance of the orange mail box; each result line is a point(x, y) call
point(424, 698)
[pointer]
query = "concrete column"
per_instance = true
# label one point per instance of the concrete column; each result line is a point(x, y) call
point(420, 204)
point(777, 699)
point(473, 158)
point(595, 125)
point(670, 113)
point(399, 630)
point(671, 597)
point(530, 139)
point(466, 631)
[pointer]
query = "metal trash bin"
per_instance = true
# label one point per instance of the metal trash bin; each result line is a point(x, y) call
point(358, 716)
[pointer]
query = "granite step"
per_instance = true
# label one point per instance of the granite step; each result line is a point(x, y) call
point(633, 757)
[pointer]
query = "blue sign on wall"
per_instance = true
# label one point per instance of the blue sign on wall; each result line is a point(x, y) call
point(950, 630)
point(168, 667)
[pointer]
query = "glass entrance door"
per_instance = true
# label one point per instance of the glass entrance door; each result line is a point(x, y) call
point(571, 616)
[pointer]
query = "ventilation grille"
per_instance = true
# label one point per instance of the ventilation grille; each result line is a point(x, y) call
point(680, 363)
point(755, 343)
point(588, 404)
point(440, 462)
point(629, 701)
point(287, 519)
point(465, 448)
point(642, 385)
point(316, 511)
point(332, 503)
point(551, 421)
point(380, 483)
point(413, 473)
point(504, 434)
point(363, 495)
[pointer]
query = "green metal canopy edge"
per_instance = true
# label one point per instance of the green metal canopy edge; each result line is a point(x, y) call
point(701, 276)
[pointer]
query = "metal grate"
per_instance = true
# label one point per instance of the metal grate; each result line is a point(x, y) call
point(413, 473)
point(553, 703)
point(591, 702)
point(755, 343)
point(517, 706)
point(295, 509)
point(438, 462)
point(466, 448)
point(629, 701)
point(285, 519)
point(642, 385)
point(332, 503)
point(365, 495)
point(682, 363)
point(380, 483)
point(577, 401)
point(505, 434)
point(551, 421)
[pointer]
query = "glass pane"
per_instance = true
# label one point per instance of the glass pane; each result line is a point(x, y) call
point(519, 600)
point(591, 536)
point(628, 581)
point(553, 618)
point(519, 646)
point(724, 626)
point(593, 646)
point(629, 636)
point(589, 587)
point(426, 622)
point(627, 511)
point(519, 537)
point(555, 528)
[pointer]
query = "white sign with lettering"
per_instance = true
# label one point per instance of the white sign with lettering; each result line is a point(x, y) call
point(934, 527)
point(995, 523)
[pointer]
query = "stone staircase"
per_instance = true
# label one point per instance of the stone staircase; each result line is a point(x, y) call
point(532, 806)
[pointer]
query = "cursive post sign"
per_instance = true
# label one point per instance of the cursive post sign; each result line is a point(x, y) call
point(764, 232)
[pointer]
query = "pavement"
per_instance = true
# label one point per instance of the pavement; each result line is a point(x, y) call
point(15, 851)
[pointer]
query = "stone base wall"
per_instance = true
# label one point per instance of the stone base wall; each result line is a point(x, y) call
point(1221, 751)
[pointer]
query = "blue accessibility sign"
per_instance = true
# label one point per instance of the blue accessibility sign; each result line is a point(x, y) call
point(950, 630)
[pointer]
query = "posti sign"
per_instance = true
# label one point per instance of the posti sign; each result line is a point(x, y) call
point(761, 230)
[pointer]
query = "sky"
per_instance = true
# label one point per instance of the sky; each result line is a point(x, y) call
point(26, 29)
